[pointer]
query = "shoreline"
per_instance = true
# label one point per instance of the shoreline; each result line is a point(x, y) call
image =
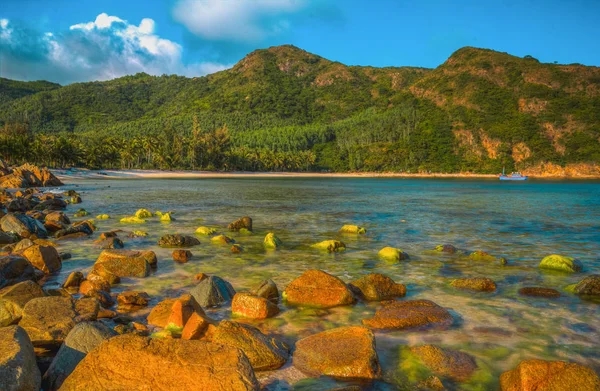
point(177, 174)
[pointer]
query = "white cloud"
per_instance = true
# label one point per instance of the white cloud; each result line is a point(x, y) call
point(237, 20)
point(106, 48)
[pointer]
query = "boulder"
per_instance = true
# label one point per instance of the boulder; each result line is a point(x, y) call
point(352, 229)
point(589, 286)
point(22, 245)
point(250, 306)
point(52, 204)
point(331, 246)
point(81, 340)
point(129, 362)
point(14, 298)
point(392, 254)
point(18, 367)
point(206, 231)
point(73, 280)
point(182, 256)
point(540, 375)
point(477, 284)
point(103, 297)
point(410, 314)
point(560, 263)
point(77, 230)
point(126, 263)
point(178, 240)
point(244, 222)
point(445, 362)
point(272, 241)
point(378, 287)
point(174, 311)
point(343, 352)
point(195, 327)
point(20, 204)
point(263, 352)
point(132, 300)
point(14, 269)
point(534, 291)
point(267, 289)
point(44, 258)
point(49, 319)
point(94, 282)
point(212, 292)
point(315, 288)
point(23, 225)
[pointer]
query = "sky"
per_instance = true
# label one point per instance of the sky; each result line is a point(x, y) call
point(67, 41)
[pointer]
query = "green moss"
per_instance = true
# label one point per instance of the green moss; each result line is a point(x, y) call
point(392, 254)
point(205, 231)
point(103, 217)
point(560, 263)
point(132, 220)
point(166, 218)
point(330, 246)
point(143, 214)
point(272, 241)
point(353, 229)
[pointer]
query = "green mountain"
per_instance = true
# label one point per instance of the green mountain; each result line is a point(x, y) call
point(285, 108)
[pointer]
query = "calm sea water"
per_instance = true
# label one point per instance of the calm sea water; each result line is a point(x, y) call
point(522, 222)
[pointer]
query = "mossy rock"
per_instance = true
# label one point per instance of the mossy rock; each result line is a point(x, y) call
point(560, 263)
point(143, 214)
point(158, 213)
point(245, 231)
point(330, 246)
point(132, 220)
point(205, 231)
point(392, 254)
point(103, 217)
point(481, 256)
point(352, 229)
point(81, 213)
point(139, 233)
point(222, 239)
point(166, 218)
point(272, 241)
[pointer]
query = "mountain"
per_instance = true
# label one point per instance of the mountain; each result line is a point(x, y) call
point(479, 111)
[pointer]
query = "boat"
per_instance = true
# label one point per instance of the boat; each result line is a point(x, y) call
point(515, 176)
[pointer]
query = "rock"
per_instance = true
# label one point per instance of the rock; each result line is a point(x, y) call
point(540, 375)
point(103, 297)
point(222, 239)
point(212, 292)
point(272, 241)
point(410, 314)
point(94, 281)
point(589, 286)
point(82, 339)
point(263, 352)
point(109, 243)
point(87, 309)
point(77, 230)
point(195, 327)
point(143, 214)
point(481, 256)
point(137, 234)
point(20, 204)
point(181, 311)
point(73, 280)
point(18, 367)
point(60, 217)
point(315, 288)
point(343, 352)
point(126, 263)
point(539, 292)
point(236, 249)
point(14, 269)
point(254, 307)
point(268, 290)
point(378, 287)
point(166, 218)
point(14, 298)
point(48, 319)
point(23, 225)
point(8, 238)
point(22, 245)
point(103, 216)
point(29, 175)
point(560, 263)
point(52, 204)
point(131, 362)
point(132, 220)
point(182, 256)
point(478, 284)
point(331, 246)
point(445, 248)
point(444, 362)
point(206, 231)
point(352, 229)
point(392, 254)
point(44, 258)
point(244, 222)
point(169, 311)
point(178, 241)
point(81, 212)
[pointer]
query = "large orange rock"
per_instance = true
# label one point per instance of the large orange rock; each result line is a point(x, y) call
point(45, 258)
point(378, 287)
point(250, 306)
point(540, 375)
point(344, 352)
point(49, 318)
point(195, 327)
point(131, 362)
point(444, 362)
point(410, 314)
point(126, 263)
point(315, 288)
point(177, 311)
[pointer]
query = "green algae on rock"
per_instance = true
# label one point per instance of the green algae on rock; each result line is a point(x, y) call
point(222, 239)
point(392, 254)
point(352, 229)
point(589, 286)
point(272, 241)
point(560, 263)
point(330, 246)
point(205, 231)
point(132, 220)
point(143, 213)
point(103, 216)
point(481, 256)
point(166, 217)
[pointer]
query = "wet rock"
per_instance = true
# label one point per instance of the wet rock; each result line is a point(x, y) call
point(109, 243)
point(477, 284)
point(244, 222)
point(267, 289)
point(378, 287)
point(23, 225)
point(221, 239)
point(143, 214)
point(44, 258)
point(560, 263)
point(52, 204)
point(315, 288)
point(14, 298)
point(81, 340)
point(93, 282)
point(254, 307)
point(73, 280)
point(20, 204)
point(176, 311)
point(331, 246)
point(392, 254)
point(445, 362)
point(18, 367)
point(263, 352)
point(589, 286)
point(87, 309)
point(103, 297)
point(132, 300)
point(212, 292)
point(132, 220)
point(48, 319)
point(14, 269)
point(344, 352)
point(272, 241)
point(410, 314)
point(236, 249)
point(22, 245)
point(60, 217)
point(166, 218)
point(126, 263)
point(481, 256)
point(8, 238)
point(540, 375)
point(445, 248)
point(539, 292)
point(352, 229)
point(178, 240)
point(77, 230)
point(182, 256)
point(171, 364)
point(196, 326)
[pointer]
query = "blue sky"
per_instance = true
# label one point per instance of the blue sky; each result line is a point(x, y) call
point(70, 41)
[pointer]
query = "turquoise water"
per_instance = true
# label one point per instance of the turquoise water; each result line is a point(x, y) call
point(522, 222)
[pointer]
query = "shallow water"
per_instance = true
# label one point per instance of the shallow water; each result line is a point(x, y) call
point(522, 222)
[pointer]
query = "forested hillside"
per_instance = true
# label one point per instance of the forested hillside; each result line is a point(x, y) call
point(286, 109)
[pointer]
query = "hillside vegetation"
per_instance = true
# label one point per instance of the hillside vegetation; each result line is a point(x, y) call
point(283, 108)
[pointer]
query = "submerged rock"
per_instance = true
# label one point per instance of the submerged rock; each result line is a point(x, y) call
point(109, 243)
point(126, 263)
point(539, 292)
point(481, 256)
point(248, 305)
point(213, 291)
point(378, 287)
point(244, 222)
point(206, 231)
point(132, 220)
point(331, 246)
point(178, 240)
point(445, 248)
point(343, 352)
point(352, 229)
point(445, 362)
point(18, 367)
point(315, 288)
point(170, 364)
point(589, 286)
point(392, 254)
point(560, 263)
point(181, 256)
point(222, 239)
point(272, 241)
point(478, 284)
point(410, 314)
point(540, 375)
point(143, 214)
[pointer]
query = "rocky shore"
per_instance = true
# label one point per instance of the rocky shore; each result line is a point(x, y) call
point(83, 336)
